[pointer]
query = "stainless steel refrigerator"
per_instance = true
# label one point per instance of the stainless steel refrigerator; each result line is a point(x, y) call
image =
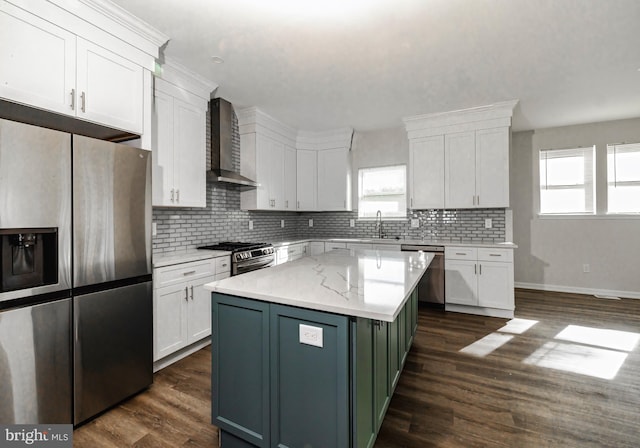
point(76, 333)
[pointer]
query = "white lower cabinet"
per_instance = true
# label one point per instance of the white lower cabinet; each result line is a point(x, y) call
point(479, 281)
point(182, 307)
point(316, 247)
point(291, 252)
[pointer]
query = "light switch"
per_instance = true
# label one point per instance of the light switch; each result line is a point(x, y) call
point(487, 223)
point(311, 223)
point(282, 223)
point(352, 223)
point(154, 229)
point(250, 225)
point(415, 223)
point(310, 335)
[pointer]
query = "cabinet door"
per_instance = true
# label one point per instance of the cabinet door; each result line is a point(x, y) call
point(316, 247)
point(189, 155)
point(240, 355)
point(163, 164)
point(495, 285)
point(426, 174)
point(364, 418)
point(460, 170)
point(319, 373)
point(170, 317)
point(276, 174)
point(334, 179)
point(492, 167)
point(109, 88)
point(307, 175)
point(263, 172)
point(290, 179)
point(199, 310)
point(329, 246)
point(395, 353)
point(461, 283)
point(37, 61)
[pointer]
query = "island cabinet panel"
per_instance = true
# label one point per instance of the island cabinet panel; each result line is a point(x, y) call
point(284, 376)
point(309, 383)
point(240, 371)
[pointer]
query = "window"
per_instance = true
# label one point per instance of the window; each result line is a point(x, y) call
point(623, 178)
point(382, 188)
point(567, 181)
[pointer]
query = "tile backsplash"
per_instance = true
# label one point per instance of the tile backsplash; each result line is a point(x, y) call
point(222, 220)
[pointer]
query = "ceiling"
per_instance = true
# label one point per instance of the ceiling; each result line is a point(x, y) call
point(369, 63)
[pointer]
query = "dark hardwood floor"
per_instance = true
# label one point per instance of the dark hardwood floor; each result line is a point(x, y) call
point(552, 378)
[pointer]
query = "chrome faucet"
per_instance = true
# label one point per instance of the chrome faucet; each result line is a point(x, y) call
point(379, 223)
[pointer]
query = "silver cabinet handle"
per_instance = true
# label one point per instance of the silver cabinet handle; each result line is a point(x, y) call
point(478, 199)
point(475, 269)
point(191, 292)
point(73, 99)
point(172, 193)
point(460, 253)
point(83, 100)
point(495, 255)
point(186, 293)
point(177, 195)
point(298, 204)
point(480, 269)
point(411, 202)
point(189, 272)
point(286, 204)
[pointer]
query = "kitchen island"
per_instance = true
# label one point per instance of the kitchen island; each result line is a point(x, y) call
point(308, 353)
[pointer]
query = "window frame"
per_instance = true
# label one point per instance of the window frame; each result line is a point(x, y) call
point(588, 184)
point(625, 147)
point(402, 201)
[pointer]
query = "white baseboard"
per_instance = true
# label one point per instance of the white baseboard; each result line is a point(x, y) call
point(577, 290)
point(182, 353)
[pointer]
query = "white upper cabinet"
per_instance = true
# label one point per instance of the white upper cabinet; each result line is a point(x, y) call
point(334, 180)
point(426, 172)
point(492, 167)
point(460, 170)
point(108, 88)
point(307, 179)
point(179, 143)
point(56, 60)
point(37, 61)
point(462, 157)
point(290, 178)
point(268, 156)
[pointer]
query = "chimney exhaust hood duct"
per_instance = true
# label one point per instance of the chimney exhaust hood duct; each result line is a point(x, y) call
point(221, 146)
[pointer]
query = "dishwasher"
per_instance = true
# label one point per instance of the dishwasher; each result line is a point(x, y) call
point(431, 286)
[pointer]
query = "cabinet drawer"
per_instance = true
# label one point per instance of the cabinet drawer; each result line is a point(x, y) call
point(460, 253)
point(495, 255)
point(182, 272)
point(223, 264)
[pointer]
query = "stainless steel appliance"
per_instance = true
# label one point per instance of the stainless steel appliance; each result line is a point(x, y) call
point(431, 286)
point(35, 305)
point(112, 290)
point(72, 341)
point(247, 257)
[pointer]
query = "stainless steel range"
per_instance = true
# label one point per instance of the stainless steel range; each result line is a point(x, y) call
point(246, 257)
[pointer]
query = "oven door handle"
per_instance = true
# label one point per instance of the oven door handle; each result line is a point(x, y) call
point(257, 262)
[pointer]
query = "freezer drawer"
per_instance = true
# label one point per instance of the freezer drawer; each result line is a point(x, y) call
point(35, 364)
point(113, 347)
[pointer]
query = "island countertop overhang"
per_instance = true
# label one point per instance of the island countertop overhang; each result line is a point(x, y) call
point(373, 284)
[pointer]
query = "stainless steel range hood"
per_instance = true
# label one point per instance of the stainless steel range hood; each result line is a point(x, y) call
point(221, 146)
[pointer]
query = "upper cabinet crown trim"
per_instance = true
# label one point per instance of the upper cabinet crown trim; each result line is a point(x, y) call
point(318, 141)
point(181, 76)
point(251, 118)
point(483, 117)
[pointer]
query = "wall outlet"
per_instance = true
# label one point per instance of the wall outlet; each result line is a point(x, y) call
point(586, 268)
point(154, 229)
point(352, 223)
point(310, 335)
point(415, 223)
point(282, 223)
point(250, 225)
point(311, 223)
point(488, 223)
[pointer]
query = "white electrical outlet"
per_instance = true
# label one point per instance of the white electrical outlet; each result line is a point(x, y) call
point(488, 223)
point(282, 223)
point(154, 229)
point(311, 223)
point(250, 225)
point(415, 223)
point(586, 268)
point(352, 223)
point(310, 335)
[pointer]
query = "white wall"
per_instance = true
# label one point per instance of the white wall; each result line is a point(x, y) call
point(552, 251)
point(377, 148)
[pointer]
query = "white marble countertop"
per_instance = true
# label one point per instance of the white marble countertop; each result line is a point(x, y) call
point(186, 256)
point(361, 283)
point(470, 243)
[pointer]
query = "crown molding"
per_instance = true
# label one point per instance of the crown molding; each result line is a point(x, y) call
point(176, 73)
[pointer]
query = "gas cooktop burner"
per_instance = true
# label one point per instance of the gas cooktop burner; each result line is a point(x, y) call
point(234, 246)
